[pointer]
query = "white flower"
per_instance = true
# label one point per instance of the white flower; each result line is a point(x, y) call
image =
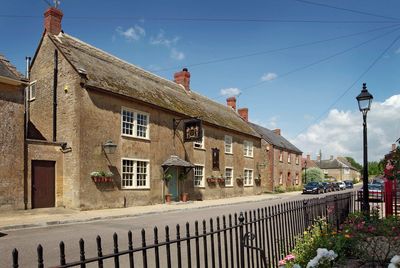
point(395, 259)
point(322, 254)
point(296, 266)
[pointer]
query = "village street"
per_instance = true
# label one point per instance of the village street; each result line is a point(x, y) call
point(26, 240)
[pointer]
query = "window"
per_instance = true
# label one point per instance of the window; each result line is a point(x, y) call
point(228, 145)
point(199, 144)
point(215, 158)
point(288, 157)
point(228, 176)
point(281, 178)
point(248, 177)
point(297, 179)
point(248, 148)
point(198, 176)
point(280, 156)
point(134, 124)
point(135, 174)
point(32, 91)
point(297, 159)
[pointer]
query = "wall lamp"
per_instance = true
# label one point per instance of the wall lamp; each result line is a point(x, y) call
point(109, 147)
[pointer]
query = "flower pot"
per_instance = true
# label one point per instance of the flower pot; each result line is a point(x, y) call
point(184, 197)
point(167, 198)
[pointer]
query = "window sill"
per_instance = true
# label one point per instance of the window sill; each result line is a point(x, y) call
point(228, 153)
point(229, 186)
point(199, 187)
point(134, 137)
point(248, 156)
point(136, 189)
point(200, 149)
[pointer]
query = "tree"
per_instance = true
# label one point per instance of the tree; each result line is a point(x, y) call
point(375, 168)
point(354, 163)
point(313, 174)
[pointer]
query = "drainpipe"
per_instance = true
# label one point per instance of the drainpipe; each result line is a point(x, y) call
point(55, 76)
point(26, 121)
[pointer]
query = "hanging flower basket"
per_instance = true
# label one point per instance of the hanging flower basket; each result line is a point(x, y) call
point(221, 181)
point(239, 181)
point(101, 176)
point(257, 181)
point(212, 180)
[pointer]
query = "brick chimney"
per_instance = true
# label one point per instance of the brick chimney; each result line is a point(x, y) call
point(231, 102)
point(183, 78)
point(308, 157)
point(52, 20)
point(244, 113)
point(394, 147)
point(277, 131)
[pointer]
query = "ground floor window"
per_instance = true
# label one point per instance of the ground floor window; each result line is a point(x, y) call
point(248, 177)
point(135, 174)
point(228, 176)
point(198, 176)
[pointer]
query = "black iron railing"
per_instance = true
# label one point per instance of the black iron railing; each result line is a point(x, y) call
point(257, 238)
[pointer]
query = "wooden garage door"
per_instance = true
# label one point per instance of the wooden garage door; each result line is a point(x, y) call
point(43, 184)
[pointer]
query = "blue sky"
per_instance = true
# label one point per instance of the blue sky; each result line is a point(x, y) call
point(306, 90)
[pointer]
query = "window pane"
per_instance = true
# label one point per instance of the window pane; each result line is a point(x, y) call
point(198, 176)
point(127, 122)
point(127, 173)
point(228, 176)
point(142, 123)
point(141, 172)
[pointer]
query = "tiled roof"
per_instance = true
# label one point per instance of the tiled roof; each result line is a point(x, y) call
point(275, 139)
point(8, 70)
point(109, 73)
point(175, 161)
point(337, 163)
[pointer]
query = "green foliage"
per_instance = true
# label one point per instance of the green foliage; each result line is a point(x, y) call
point(313, 174)
point(374, 168)
point(279, 189)
point(294, 188)
point(354, 163)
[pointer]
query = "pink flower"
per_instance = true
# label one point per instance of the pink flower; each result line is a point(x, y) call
point(290, 257)
point(282, 262)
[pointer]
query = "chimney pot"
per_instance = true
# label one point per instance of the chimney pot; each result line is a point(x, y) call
point(231, 102)
point(394, 147)
point(244, 114)
point(183, 78)
point(52, 20)
point(277, 131)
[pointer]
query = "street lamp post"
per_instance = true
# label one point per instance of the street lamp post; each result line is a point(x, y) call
point(364, 103)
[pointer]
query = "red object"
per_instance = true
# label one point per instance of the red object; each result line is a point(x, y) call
point(244, 113)
point(52, 20)
point(183, 78)
point(231, 102)
point(388, 197)
point(184, 197)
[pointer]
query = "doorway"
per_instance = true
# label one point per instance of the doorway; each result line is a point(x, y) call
point(43, 184)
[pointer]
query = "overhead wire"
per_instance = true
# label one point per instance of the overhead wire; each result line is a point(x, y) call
point(274, 50)
point(347, 9)
point(353, 84)
point(325, 58)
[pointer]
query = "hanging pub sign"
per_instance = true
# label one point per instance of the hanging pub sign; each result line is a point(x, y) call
point(193, 130)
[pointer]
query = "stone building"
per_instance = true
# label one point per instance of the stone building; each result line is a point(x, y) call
point(88, 101)
point(281, 158)
point(338, 168)
point(12, 85)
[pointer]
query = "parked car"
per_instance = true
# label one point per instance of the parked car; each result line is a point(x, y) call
point(335, 186)
point(375, 193)
point(342, 185)
point(328, 186)
point(349, 184)
point(313, 187)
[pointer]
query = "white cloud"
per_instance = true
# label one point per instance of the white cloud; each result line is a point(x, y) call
point(271, 122)
point(269, 77)
point(133, 33)
point(161, 40)
point(177, 55)
point(397, 51)
point(232, 91)
point(340, 133)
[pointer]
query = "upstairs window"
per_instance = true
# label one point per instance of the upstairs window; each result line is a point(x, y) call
point(32, 91)
point(280, 156)
point(297, 159)
point(289, 158)
point(134, 124)
point(199, 144)
point(228, 144)
point(248, 148)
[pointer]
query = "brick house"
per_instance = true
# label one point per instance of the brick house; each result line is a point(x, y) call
point(338, 168)
point(87, 100)
point(280, 157)
point(12, 85)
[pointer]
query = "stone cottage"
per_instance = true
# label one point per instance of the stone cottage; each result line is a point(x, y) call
point(94, 114)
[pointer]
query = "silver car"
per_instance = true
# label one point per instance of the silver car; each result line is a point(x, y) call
point(342, 185)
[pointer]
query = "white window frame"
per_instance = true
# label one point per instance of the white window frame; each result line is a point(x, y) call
point(134, 173)
point(281, 178)
point(228, 144)
point(248, 148)
point(135, 123)
point(289, 158)
point(280, 156)
point(230, 184)
point(248, 181)
point(194, 176)
point(32, 93)
point(199, 145)
point(297, 159)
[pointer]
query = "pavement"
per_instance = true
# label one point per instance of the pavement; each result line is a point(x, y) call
point(44, 217)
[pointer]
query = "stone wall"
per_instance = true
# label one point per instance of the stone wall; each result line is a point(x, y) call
point(11, 147)
point(285, 167)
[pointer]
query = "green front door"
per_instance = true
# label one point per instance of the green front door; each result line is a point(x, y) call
point(173, 184)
